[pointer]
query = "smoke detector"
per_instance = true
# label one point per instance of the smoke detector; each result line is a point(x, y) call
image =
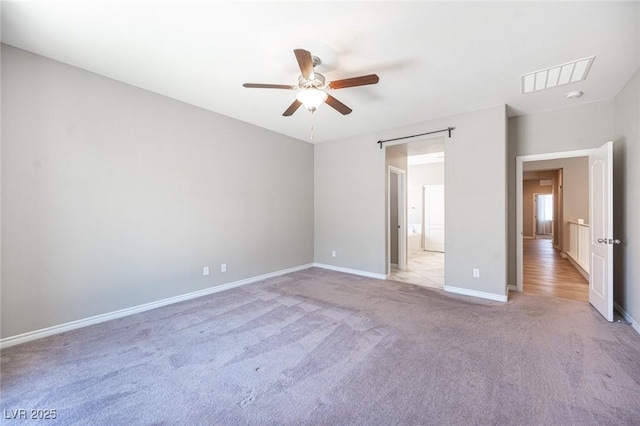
point(574, 95)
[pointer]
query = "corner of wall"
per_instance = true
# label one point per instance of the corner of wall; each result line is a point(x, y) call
point(626, 177)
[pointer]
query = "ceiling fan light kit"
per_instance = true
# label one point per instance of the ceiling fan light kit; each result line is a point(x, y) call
point(311, 98)
point(312, 85)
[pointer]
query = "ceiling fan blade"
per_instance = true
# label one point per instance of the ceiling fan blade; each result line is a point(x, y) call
point(363, 80)
point(292, 108)
point(305, 62)
point(337, 105)
point(267, 86)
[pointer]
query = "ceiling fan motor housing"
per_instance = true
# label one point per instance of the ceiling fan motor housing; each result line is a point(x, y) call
point(318, 81)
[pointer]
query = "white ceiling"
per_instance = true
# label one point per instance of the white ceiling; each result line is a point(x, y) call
point(434, 59)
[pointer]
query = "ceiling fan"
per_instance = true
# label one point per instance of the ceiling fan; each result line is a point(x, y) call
point(311, 86)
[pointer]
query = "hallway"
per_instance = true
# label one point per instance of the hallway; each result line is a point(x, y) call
point(545, 272)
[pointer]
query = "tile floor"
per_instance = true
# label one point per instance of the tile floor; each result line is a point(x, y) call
point(424, 268)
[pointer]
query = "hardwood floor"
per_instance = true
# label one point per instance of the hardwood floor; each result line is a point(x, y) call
point(546, 272)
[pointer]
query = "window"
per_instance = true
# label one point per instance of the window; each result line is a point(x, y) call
point(545, 207)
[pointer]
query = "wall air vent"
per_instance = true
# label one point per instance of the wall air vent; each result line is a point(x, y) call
point(558, 75)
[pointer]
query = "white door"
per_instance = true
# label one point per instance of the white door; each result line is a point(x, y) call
point(433, 218)
point(601, 235)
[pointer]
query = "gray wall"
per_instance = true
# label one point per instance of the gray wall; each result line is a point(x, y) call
point(475, 160)
point(581, 127)
point(349, 192)
point(626, 192)
point(350, 199)
point(114, 196)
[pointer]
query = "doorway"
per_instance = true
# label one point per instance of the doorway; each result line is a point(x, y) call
point(423, 161)
point(599, 210)
point(547, 268)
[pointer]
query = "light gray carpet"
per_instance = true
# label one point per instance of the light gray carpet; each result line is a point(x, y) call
point(321, 347)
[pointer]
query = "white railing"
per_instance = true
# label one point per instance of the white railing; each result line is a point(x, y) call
point(579, 244)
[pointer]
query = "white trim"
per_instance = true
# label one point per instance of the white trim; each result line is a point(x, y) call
point(512, 287)
point(351, 271)
point(628, 318)
point(402, 217)
point(520, 159)
point(557, 155)
point(578, 267)
point(475, 293)
point(56, 329)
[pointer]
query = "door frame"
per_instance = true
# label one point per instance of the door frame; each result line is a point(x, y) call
point(519, 196)
point(402, 217)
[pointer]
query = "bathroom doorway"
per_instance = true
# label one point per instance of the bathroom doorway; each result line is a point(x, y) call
point(424, 162)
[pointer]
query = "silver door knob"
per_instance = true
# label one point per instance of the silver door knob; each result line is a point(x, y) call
point(614, 241)
point(602, 240)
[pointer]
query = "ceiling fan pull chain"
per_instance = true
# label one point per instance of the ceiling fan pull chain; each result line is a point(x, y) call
point(311, 125)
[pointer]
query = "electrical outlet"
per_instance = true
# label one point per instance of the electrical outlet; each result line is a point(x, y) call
point(476, 273)
point(205, 271)
point(223, 267)
point(333, 253)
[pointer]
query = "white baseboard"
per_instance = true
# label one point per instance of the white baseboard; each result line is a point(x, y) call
point(579, 268)
point(512, 287)
point(351, 271)
point(627, 317)
point(56, 329)
point(475, 293)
